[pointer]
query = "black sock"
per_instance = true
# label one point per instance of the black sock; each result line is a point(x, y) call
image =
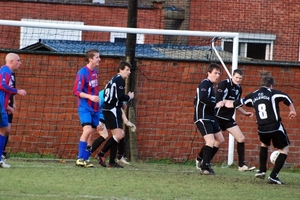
point(200, 155)
point(241, 153)
point(214, 151)
point(113, 152)
point(207, 152)
point(278, 165)
point(96, 144)
point(263, 157)
point(121, 148)
point(110, 142)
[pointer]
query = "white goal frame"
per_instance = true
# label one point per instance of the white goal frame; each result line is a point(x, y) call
point(233, 35)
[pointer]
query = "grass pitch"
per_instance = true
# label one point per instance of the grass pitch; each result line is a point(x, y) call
point(56, 179)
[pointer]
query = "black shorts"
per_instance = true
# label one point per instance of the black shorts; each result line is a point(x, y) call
point(113, 118)
point(10, 117)
point(278, 137)
point(208, 127)
point(226, 124)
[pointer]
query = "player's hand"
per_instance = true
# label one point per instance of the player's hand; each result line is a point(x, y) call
point(22, 92)
point(94, 98)
point(131, 126)
point(292, 114)
point(100, 127)
point(220, 104)
point(248, 114)
point(131, 95)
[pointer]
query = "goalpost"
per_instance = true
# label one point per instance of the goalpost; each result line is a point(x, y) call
point(192, 34)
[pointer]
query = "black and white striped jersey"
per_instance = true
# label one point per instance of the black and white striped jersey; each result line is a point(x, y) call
point(266, 104)
point(205, 101)
point(114, 93)
point(227, 90)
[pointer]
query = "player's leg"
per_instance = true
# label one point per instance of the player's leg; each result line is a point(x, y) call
point(236, 132)
point(4, 154)
point(3, 130)
point(265, 140)
point(280, 141)
point(120, 154)
point(103, 135)
point(86, 122)
point(113, 120)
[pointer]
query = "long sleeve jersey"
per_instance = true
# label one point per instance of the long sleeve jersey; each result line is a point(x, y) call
point(6, 87)
point(205, 101)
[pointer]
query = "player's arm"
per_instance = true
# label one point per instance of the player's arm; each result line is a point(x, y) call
point(244, 112)
point(78, 89)
point(5, 77)
point(203, 94)
point(220, 91)
point(121, 91)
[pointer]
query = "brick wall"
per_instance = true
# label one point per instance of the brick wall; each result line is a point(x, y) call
point(46, 121)
point(268, 17)
point(93, 15)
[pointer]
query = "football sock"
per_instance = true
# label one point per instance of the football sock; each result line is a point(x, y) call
point(96, 144)
point(214, 151)
point(278, 165)
point(87, 153)
point(121, 149)
point(241, 153)
point(207, 152)
point(113, 152)
point(2, 143)
point(263, 156)
point(110, 142)
point(81, 149)
point(200, 155)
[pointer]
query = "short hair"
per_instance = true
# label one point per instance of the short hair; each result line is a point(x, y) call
point(123, 64)
point(237, 71)
point(90, 54)
point(213, 66)
point(267, 81)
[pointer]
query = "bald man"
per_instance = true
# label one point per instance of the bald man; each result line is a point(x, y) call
point(13, 63)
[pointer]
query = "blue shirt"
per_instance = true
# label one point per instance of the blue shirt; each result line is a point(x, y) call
point(87, 82)
point(6, 87)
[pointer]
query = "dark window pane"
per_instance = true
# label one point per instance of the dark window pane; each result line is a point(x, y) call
point(256, 50)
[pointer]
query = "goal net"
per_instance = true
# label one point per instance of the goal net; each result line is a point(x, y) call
point(169, 66)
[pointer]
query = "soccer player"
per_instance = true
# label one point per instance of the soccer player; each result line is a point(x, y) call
point(231, 89)
point(13, 62)
point(10, 110)
point(204, 118)
point(86, 89)
point(112, 111)
point(266, 101)
point(104, 133)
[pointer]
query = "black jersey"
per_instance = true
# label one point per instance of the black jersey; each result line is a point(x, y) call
point(114, 94)
point(227, 90)
point(266, 104)
point(205, 101)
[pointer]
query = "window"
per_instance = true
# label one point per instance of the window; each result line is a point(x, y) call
point(257, 46)
point(121, 37)
point(31, 35)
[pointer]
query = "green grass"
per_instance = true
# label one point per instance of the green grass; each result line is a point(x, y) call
point(56, 179)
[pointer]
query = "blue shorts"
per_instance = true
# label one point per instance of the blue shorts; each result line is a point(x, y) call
point(88, 118)
point(3, 119)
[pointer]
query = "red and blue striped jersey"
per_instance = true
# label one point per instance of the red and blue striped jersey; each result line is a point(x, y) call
point(87, 82)
point(6, 87)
